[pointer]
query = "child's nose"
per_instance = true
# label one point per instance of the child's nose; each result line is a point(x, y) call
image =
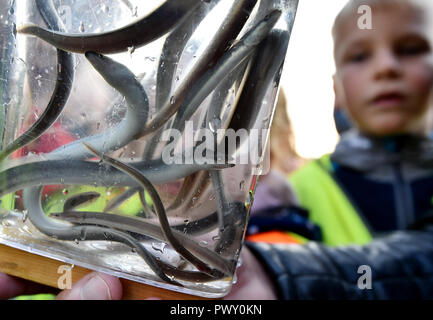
point(386, 65)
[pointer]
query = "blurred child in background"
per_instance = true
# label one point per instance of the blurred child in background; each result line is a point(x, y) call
point(380, 177)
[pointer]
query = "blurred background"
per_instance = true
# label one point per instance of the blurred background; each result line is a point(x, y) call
point(307, 77)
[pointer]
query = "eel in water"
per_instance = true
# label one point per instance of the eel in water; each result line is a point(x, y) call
point(134, 35)
point(62, 89)
point(63, 230)
point(215, 53)
point(80, 172)
point(125, 82)
point(160, 210)
point(230, 60)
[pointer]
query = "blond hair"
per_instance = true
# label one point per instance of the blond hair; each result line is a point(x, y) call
point(351, 9)
point(282, 144)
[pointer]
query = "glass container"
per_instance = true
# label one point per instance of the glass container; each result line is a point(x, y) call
point(180, 93)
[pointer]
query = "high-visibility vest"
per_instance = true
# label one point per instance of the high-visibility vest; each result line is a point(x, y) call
point(328, 206)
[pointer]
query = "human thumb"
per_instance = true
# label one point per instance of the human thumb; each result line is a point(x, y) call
point(94, 286)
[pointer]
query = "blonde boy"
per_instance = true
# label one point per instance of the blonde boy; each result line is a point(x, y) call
point(380, 177)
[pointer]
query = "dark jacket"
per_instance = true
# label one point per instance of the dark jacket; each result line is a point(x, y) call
point(400, 266)
point(388, 180)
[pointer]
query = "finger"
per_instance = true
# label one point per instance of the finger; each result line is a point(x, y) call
point(11, 287)
point(94, 286)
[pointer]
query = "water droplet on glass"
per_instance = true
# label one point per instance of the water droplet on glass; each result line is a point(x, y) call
point(215, 125)
point(172, 100)
point(249, 199)
point(131, 50)
point(83, 235)
point(242, 185)
point(65, 191)
point(158, 246)
point(216, 238)
point(203, 243)
point(25, 214)
point(81, 28)
point(14, 30)
point(235, 279)
point(239, 263)
point(76, 241)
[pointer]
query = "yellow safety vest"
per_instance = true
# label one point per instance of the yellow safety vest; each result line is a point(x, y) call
point(328, 206)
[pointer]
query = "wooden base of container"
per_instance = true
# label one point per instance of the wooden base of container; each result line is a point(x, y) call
point(44, 270)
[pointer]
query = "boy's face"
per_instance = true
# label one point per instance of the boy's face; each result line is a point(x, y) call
point(384, 76)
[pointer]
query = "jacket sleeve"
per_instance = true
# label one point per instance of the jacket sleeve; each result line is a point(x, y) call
point(397, 266)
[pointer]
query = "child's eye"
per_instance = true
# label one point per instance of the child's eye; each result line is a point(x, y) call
point(412, 49)
point(412, 46)
point(357, 57)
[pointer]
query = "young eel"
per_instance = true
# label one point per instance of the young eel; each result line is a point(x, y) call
point(199, 180)
point(232, 58)
point(62, 90)
point(138, 226)
point(65, 231)
point(117, 201)
point(136, 34)
point(62, 231)
point(75, 201)
point(172, 50)
point(124, 196)
point(196, 227)
point(233, 24)
point(76, 172)
point(263, 72)
point(160, 210)
point(124, 81)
